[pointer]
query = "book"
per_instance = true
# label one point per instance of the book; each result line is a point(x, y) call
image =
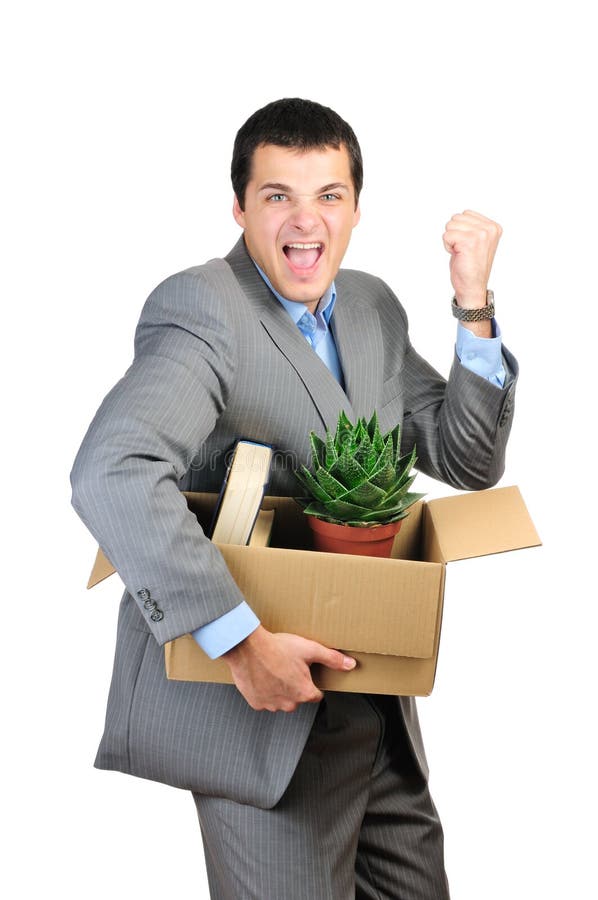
point(242, 493)
point(260, 535)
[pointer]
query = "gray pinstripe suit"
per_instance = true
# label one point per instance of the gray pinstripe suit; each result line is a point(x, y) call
point(216, 358)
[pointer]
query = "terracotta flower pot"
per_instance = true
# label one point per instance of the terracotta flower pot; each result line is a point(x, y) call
point(376, 540)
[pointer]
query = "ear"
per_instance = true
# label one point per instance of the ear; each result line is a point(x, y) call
point(238, 213)
point(356, 215)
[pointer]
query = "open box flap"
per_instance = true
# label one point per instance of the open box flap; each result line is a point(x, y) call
point(102, 568)
point(480, 523)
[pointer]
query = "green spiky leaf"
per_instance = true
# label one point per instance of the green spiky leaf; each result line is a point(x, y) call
point(365, 494)
point(373, 425)
point(318, 450)
point(344, 431)
point(396, 441)
point(330, 454)
point(405, 463)
point(364, 452)
point(383, 476)
point(397, 493)
point(376, 518)
point(348, 470)
point(312, 486)
point(330, 484)
point(342, 510)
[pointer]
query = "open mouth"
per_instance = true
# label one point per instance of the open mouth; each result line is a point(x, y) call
point(303, 257)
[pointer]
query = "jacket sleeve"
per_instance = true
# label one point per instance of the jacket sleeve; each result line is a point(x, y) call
point(460, 426)
point(140, 444)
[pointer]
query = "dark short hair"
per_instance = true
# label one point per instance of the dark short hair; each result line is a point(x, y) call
point(293, 123)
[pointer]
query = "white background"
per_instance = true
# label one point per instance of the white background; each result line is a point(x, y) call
point(118, 122)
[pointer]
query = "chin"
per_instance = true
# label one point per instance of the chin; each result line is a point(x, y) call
point(306, 293)
point(298, 297)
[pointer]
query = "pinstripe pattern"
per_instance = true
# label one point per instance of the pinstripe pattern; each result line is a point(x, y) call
point(217, 358)
point(357, 819)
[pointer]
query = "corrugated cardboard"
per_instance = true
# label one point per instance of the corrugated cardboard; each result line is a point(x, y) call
point(386, 613)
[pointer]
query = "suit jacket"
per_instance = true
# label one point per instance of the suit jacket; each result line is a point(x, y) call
point(217, 358)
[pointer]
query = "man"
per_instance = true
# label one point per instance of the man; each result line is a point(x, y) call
point(299, 795)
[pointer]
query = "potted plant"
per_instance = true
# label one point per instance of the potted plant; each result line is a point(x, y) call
point(359, 488)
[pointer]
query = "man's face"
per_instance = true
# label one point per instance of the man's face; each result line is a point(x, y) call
point(298, 217)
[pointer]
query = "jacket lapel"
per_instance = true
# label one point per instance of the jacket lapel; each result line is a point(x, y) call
point(357, 336)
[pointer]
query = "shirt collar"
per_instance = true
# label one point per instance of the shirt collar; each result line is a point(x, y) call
point(295, 309)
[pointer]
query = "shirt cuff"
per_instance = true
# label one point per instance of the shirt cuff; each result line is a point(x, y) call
point(227, 631)
point(482, 355)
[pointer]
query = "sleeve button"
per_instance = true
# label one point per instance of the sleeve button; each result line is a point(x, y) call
point(157, 615)
point(143, 594)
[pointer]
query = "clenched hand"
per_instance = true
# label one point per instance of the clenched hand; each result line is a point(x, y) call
point(471, 239)
point(272, 672)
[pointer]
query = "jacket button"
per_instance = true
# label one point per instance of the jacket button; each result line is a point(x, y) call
point(506, 413)
point(150, 604)
point(157, 615)
point(143, 594)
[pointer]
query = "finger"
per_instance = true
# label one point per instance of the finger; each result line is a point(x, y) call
point(473, 221)
point(489, 224)
point(456, 241)
point(316, 696)
point(334, 659)
point(288, 705)
point(464, 223)
point(467, 235)
point(472, 216)
point(475, 215)
point(449, 242)
point(308, 691)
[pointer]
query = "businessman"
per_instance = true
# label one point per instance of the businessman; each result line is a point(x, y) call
point(299, 794)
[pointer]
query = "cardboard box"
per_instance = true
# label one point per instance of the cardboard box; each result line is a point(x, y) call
point(387, 613)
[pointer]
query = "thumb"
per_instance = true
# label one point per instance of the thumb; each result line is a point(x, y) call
point(334, 659)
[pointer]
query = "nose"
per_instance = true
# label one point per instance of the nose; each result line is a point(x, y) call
point(304, 216)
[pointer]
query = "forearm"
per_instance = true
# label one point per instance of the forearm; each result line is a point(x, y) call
point(479, 329)
point(461, 426)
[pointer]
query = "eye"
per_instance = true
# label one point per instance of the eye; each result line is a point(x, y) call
point(329, 197)
point(276, 198)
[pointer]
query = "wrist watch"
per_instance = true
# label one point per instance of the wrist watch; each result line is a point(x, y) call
point(475, 315)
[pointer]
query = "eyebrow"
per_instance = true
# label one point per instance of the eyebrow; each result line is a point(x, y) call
point(287, 189)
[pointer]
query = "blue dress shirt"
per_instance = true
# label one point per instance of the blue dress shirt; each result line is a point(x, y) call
point(315, 329)
point(481, 355)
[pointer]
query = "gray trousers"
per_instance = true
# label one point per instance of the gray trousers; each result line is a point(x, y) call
point(356, 821)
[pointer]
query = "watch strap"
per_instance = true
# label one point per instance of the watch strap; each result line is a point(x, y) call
point(480, 314)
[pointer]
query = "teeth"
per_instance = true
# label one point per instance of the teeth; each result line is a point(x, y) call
point(304, 246)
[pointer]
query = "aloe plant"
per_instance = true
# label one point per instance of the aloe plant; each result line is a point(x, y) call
point(359, 476)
